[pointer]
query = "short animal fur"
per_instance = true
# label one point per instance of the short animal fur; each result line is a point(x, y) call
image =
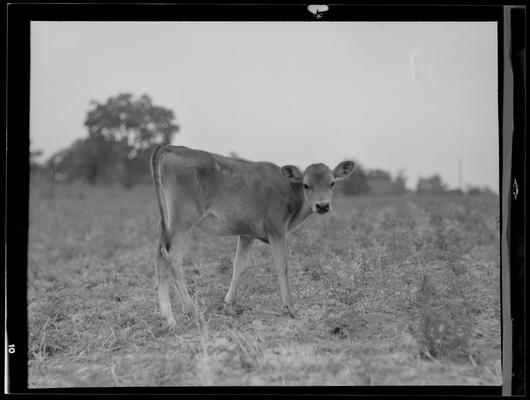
point(228, 196)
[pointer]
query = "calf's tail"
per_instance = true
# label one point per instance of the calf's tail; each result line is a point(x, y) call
point(160, 195)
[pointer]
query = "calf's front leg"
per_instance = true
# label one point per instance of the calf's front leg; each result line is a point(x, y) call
point(241, 263)
point(278, 251)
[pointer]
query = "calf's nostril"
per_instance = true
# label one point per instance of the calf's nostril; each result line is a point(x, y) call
point(322, 207)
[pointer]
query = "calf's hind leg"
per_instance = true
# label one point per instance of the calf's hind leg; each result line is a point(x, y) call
point(163, 274)
point(169, 265)
point(176, 257)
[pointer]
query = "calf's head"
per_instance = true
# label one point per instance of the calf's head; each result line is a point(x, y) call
point(318, 182)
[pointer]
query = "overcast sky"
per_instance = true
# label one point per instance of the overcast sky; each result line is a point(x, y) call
point(403, 95)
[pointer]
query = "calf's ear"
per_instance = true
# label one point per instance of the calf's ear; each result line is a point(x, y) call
point(292, 173)
point(343, 170)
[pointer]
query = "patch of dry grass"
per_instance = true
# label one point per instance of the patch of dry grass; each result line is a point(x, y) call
point(390, 291)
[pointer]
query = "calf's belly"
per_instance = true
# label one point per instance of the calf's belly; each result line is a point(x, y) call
point(220, 225)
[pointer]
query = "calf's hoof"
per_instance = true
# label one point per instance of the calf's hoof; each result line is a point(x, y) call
point(171, 324)
point(190, 309)
point(289, 310)
point(229, 309)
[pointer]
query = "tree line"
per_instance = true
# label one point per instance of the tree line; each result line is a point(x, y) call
point(122, 134)
point(123, 131)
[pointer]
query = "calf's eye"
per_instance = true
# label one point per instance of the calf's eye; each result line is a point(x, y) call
point(332, 184)
point(306, 186)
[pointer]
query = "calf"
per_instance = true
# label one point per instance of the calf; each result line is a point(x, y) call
point(227, 196)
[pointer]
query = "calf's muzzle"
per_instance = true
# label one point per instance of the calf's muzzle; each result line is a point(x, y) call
point(322, 207)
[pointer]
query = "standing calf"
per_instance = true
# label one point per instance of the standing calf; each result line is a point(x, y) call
point(226, 196)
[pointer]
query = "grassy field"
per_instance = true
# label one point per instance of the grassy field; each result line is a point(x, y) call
point(389, 290)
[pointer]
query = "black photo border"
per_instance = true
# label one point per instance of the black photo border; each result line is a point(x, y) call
point(511, 29)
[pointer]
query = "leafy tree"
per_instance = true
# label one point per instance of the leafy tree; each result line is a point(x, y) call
point(34, 156)
point(379, 174)
point(122, 133)
point(381, 182)
point(433, 184)
point(478, 190)
point(56, 164)
point(233, 154)
point(400, 182)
